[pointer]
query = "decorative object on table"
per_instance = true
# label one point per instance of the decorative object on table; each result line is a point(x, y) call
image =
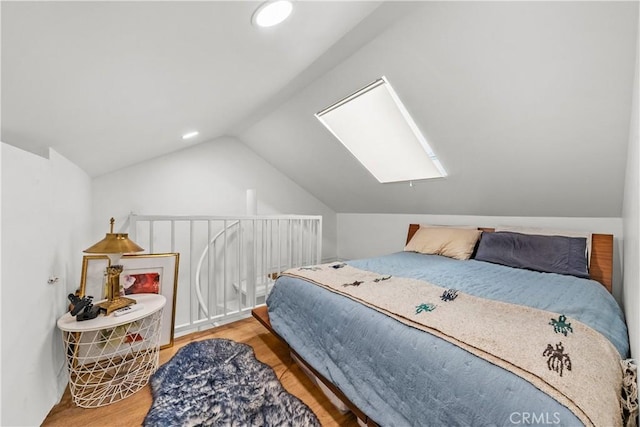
point(114, 245)
point(157, 273)
point(83, 308)
point(93, 279)
point(220, 382)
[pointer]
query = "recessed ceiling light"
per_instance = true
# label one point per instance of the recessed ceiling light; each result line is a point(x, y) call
point(272, 13)
point(190, 135)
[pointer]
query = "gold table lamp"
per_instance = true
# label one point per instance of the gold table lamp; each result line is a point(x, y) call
point(114, 245)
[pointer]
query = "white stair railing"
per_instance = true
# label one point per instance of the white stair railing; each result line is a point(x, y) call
point(198, 287)
point(227, 264)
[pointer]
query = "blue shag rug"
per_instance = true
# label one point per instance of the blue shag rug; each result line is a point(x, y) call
point(219, 382)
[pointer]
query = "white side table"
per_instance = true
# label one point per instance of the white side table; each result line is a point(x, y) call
point(110, 358)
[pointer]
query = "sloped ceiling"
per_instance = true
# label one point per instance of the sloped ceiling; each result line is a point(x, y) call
point(526, 103)
point(109, 84)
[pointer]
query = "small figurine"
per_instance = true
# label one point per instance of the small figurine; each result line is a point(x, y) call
point(83, 308)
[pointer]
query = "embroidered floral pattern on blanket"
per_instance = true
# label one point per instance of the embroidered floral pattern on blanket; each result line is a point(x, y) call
point(563, 357)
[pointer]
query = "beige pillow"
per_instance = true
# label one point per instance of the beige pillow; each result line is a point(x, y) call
point(451, 242)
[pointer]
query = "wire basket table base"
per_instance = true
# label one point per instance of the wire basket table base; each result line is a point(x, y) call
point(108, 365)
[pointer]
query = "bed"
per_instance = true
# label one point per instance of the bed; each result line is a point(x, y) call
point(393, 370)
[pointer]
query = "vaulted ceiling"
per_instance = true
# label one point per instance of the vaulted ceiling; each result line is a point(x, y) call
point(527, 104)
point(108, 84)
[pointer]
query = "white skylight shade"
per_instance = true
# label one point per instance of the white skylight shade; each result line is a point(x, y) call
point(376, 128)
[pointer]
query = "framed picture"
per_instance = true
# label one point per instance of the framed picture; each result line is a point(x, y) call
point(148, 273)
point(93, 278)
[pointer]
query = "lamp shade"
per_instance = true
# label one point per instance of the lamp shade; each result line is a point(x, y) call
point(114, 243)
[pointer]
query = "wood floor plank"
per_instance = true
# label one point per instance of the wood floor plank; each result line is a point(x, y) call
point(270, 350)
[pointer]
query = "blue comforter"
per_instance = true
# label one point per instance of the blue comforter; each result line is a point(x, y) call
point(401, 376)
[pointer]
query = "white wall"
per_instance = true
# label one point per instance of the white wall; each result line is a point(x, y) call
point(367, 235)
point(206, 179)
point(46, 208)
point(507, 107)
point(631, 216)
point(0, 294)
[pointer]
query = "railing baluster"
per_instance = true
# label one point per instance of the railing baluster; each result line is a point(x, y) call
point(224, 270)
point(300, 244)
point(307, 236)
point(173, 236)
point(239, 263)
point(279, 251)
point(259, 276)
point(191, 272)
point(265, 260)
point(209, 305)
point(279, 270)
point(319, 241)
point(213, 252)
point(151, 236)
point(133, 227)
point(290, 243)
point(310, 235)
point(251, 273)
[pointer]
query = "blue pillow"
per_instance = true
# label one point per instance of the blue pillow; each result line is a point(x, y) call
point(551, 254)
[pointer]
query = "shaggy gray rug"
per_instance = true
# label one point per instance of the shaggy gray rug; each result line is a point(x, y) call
point(219, 382)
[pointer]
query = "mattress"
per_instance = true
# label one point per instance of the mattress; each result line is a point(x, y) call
point(401, 376)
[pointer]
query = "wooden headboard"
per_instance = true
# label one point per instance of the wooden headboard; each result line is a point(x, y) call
point(600, 265)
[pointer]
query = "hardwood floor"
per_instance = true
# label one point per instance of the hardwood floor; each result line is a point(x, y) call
point(268, 349)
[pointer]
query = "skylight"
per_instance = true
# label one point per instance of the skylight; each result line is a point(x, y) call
point(377, 129)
